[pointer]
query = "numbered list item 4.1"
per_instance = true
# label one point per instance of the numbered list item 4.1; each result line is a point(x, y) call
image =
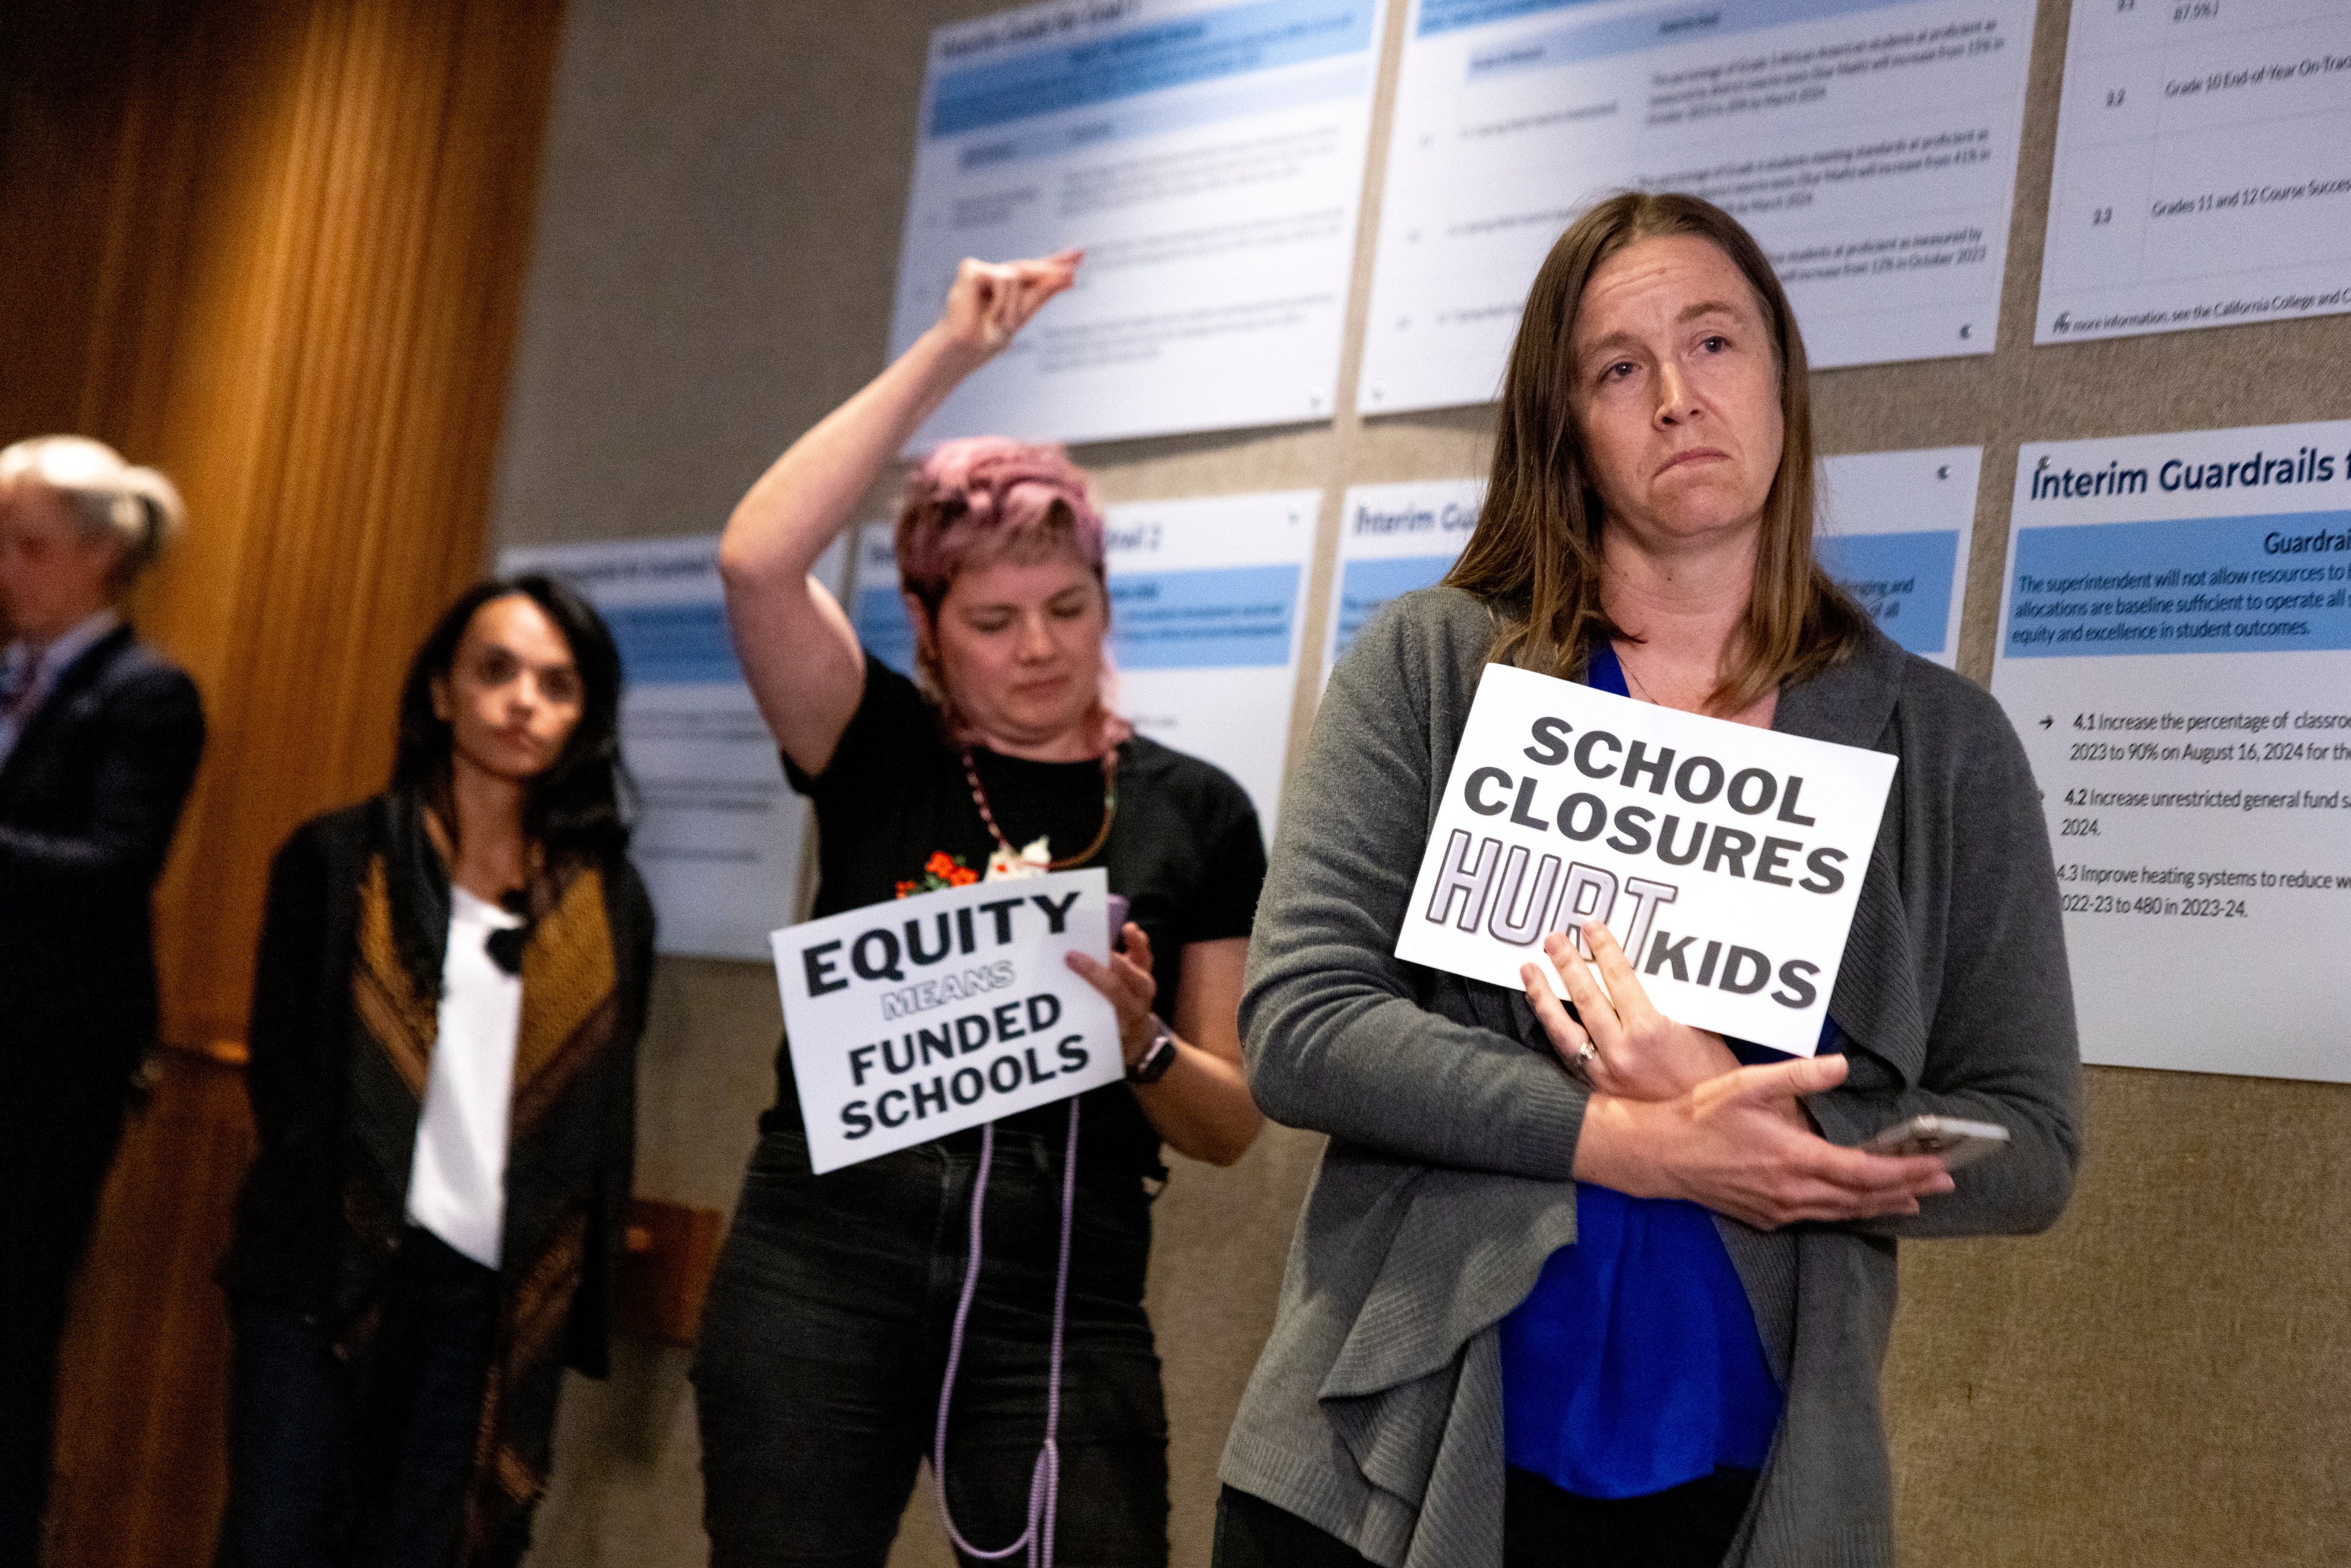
point(2259, 764)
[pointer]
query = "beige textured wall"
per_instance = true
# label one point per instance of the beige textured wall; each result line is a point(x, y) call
point(2164, 1379)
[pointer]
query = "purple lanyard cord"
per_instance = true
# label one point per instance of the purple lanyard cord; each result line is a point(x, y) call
point(1045, 1481)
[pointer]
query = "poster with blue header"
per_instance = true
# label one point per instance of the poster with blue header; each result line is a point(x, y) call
point(2175, 649)
point(1893, 530)
point(1870, 146)
point(1394, 539)
point(1207, 155)
point(717, 833)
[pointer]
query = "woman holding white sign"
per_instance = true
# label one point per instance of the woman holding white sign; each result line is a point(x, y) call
point(831, 1326)
point(1600, 1288)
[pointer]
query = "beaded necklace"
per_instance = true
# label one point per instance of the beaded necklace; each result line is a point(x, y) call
point(1101, 837)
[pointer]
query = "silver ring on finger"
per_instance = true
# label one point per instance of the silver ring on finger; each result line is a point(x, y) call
point(1584, 1058)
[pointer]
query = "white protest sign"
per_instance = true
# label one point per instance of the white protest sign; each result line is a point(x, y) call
point(1726, 860)
point(916, 1018)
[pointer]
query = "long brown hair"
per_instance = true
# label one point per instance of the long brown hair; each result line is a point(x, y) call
point(1535, 554)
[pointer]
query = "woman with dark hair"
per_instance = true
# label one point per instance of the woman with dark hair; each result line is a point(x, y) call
point(1600, 1288)
point(827, 1364)
point(450, 987)
point(100, 734)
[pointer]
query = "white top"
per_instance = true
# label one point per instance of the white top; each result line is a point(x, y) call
point(458, 1183)
point(27, 674)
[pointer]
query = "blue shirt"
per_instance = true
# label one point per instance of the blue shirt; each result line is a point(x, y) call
point(1633, 1365)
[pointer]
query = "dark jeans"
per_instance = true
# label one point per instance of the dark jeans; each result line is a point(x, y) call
point(826, 1333)
point(326, 1474)
point(53, 1161)
point(1689, 1526)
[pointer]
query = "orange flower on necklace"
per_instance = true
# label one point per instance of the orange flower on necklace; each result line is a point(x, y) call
point(941, 871)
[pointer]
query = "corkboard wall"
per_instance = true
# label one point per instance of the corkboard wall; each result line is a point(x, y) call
point(2164, 1379)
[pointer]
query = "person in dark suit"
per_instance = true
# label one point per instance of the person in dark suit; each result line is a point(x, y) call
point(100, 735)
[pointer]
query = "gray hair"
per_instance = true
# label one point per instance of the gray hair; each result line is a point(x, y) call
point(109, 497)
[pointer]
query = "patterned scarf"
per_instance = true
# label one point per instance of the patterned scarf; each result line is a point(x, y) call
point(568, 1016)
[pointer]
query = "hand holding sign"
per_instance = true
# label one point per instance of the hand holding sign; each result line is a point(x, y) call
point(1126, 982)
point(1623, 1045)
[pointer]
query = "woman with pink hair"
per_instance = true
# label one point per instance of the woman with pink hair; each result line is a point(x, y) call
point(832, 1339)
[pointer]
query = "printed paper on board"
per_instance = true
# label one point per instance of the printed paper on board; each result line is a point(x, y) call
point(2174, 653)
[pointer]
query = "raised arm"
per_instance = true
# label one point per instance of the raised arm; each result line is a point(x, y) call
point(795, 642)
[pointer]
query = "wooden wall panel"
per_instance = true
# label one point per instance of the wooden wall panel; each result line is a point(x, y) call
point(69, 133)
point(274, 247)
point(141, 1466)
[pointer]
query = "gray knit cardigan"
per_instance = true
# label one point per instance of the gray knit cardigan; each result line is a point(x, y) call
point(1375, 1411)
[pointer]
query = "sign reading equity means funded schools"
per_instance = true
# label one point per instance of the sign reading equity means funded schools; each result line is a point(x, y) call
point(1728, 859)
point(912, 1019)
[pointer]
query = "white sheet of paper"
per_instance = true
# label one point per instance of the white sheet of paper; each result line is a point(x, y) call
point(1207, 600)
point(1893, 529)
point(2176, 650)
point(1209, 157)
point(2204, 169)
point(915, 1018)
point(1394, 539)
point(1870, 145)
point(1729, 868)
point(718, 833)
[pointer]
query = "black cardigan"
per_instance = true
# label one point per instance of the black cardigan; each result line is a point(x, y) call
point(290, 1234)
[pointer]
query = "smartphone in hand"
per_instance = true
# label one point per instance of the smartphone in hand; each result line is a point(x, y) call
point(1954, 1140)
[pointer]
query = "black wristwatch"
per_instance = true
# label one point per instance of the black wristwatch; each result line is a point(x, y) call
point(1157, 1057)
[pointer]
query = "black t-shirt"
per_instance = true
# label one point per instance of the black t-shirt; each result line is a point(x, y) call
point(1185, 850)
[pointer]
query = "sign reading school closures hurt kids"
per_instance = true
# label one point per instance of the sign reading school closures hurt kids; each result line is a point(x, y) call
point(916, 1018)
point(1726, 860)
